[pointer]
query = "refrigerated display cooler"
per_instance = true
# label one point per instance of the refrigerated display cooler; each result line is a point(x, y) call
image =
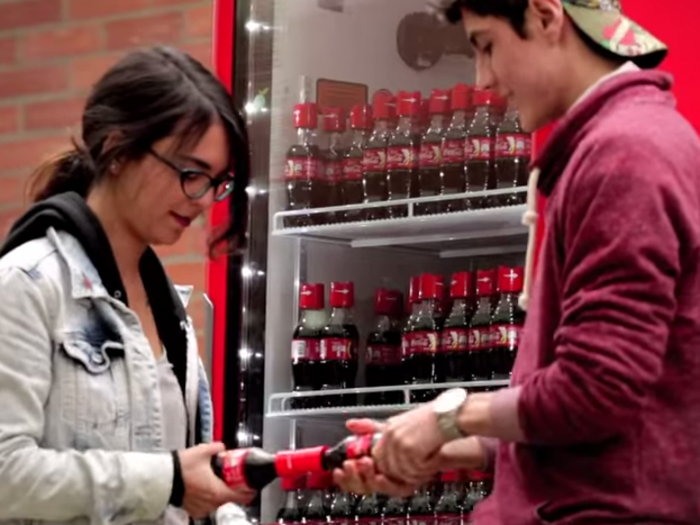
point(332, 89)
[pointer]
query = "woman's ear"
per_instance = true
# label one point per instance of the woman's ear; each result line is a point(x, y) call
point(113, 140)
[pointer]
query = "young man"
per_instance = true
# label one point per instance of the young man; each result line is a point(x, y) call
point(602, 422)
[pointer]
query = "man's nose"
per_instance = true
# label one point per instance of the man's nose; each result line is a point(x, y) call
point(485, 78)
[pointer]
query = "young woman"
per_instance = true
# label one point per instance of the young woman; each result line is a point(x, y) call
point(106, 413)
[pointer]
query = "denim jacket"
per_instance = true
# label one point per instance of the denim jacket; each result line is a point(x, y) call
point(80, 411)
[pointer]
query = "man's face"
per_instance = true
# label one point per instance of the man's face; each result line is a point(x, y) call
point(527, 70)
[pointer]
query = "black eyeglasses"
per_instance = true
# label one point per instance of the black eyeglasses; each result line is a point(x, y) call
point(196, 183)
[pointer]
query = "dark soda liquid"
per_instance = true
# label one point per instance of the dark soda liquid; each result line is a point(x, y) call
point(305, 189)
point(452, 362)
point(374, 177)
point(383, 366)
point(338, 362)
point(480, 341)
point(430, 172)
point(351, 188)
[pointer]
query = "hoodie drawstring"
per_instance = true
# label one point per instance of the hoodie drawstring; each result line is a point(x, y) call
point(530, 220)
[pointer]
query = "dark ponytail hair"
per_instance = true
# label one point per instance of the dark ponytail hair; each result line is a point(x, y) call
point(149, 95)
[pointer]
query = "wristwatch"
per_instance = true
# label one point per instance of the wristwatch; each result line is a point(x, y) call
point(447, 407)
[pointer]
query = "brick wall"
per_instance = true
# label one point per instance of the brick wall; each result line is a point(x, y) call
point(51, 51)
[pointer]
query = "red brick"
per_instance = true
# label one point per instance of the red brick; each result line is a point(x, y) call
point(196, 311)
point(25, 13)
point(164, 3)
point(88, 70)
point(198, 21)
point(32, 81)
point(8, 51)
point(12, 189)
point(192, 274)
point(61, 42)
point(200, 51)
point(81, 9)
point(9, 119)
point(30, 153)
point(7, 219)
point(54, 114)
point(144, 30)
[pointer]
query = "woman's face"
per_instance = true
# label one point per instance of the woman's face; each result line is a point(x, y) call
point(149, 193)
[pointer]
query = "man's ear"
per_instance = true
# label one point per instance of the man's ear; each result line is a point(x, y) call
point(546, 18)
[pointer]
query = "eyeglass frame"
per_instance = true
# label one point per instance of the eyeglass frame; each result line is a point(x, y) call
point(184, 173)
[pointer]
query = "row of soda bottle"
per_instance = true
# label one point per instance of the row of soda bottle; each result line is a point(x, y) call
point(449, 499)
point(459, 140)
point(476, 337)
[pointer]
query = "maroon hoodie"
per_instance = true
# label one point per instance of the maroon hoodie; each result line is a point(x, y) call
point(602, 424)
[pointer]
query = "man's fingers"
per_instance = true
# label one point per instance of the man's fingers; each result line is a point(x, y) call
point(349, 478)
point(212, 449)
point(364, 426)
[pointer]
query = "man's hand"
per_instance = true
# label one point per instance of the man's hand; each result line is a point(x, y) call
point(361, 476)
point(409, 446)
point(204, 491)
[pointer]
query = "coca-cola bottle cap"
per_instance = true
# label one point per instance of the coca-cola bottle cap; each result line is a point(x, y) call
point(462, 285)
point(431, 287)
point(439, 102)
point(477, 475)
point(311, 296)
point(289, 484)
point(485, 282)
point(483, 97)
point(306, 116)
point(510, 280)
point(385, 301)
point(383, 106)
point(414, 290)
point(409, 103)
point(361, 116)
point(397, 302)
point(449, 476)
point(342, 294)
point(461, 97)
point(334, 120)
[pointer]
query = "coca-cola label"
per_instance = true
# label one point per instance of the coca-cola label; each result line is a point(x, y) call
point(479, 148)
point(374, 160)
point(405, 345)
point(336, 349)
point(448, 519)
point(421, 520)
point(334, 170)
point(455, 340)
point(430, 155)
point(306, 349)
point(402, 158)
point(514, 145)
point(507, 335)
point(352, 169)
point(383, 355)
point(302, 168)
point(453, 151)
point(480, 338)
point(233, 468)
point(369, 520)
point(423, 342)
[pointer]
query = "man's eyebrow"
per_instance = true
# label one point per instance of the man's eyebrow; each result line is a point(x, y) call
point(197, 161)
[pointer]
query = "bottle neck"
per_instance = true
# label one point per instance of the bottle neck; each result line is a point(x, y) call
point(305, 136)
point(359, 137)
point(459, 119)
point(482, 115)
point(460, 307)
point(484, 305)
point(427, 308)
point(313, 318)
point(292, 499)
point(405, 126)
point(437, 124)
point(384, 323)
point(341, 316)
point(381, 125)
point(334, 140)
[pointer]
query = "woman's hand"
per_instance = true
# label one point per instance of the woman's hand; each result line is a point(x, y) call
point(361, 476)
point(205, 491)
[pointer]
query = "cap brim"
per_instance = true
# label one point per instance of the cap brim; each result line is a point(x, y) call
point(618, 35)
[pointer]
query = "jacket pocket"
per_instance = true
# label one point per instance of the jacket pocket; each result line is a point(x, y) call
point(94, 388)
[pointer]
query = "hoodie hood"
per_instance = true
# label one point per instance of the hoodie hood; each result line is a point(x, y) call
point(643, 87)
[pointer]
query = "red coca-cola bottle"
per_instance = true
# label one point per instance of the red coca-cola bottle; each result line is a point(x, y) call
point(318, 505)
point(306, 342)
point(402, 153)
point(369, 510)
point(395, 511)
point(448, 509)
point(374, 161)
point(413, 308)
point(507, 320)
point(452, 362)
point(339, 343)
point(342, 509)
point(430, 160)
point(513, 152)
point(351, 189)
point(480, 327)
point(480, 150)
point(420, 509)
point(303, 167)
point(454, 171)
point(383, 359)
point(292, 511)
point(335, 125)
point(424, 338)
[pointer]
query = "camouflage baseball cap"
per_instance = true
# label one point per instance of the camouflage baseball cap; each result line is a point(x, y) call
point(604, 23)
